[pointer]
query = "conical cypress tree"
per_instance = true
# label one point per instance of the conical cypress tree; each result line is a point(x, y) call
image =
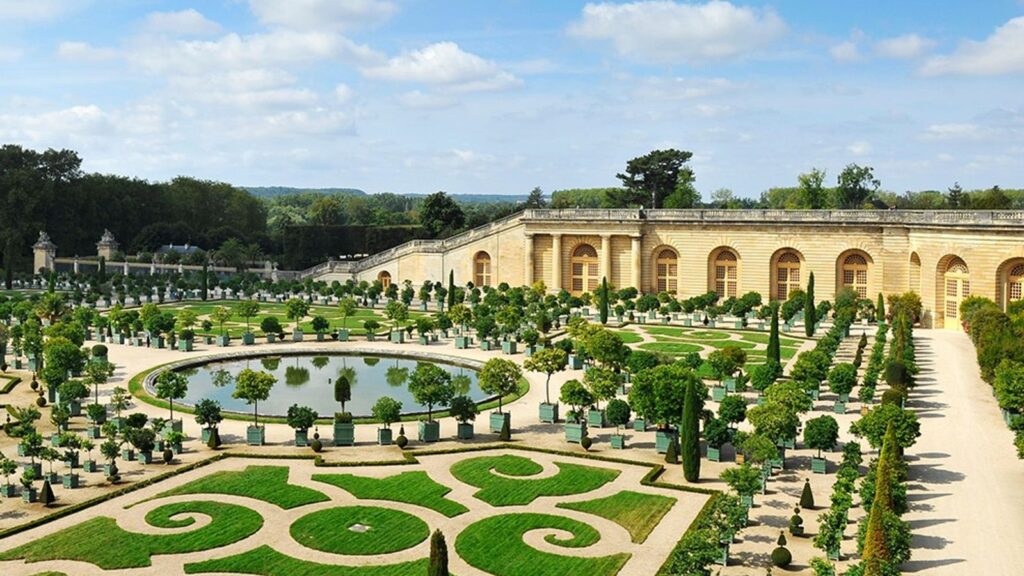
point(880, 309)
point(506, 433)
point(807, 497)
point(774, 350)
point(602, 300)
point(691, 433)
point(214, 441)
point(438, 555)
point(810, 312)
point(451, 289)
point(46, 494)
point(204, 284)
point(672, 454)
point(876, 554)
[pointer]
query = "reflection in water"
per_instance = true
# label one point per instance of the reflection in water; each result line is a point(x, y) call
point(308, 381)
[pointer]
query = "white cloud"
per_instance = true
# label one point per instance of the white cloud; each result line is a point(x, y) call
point(418, 100)
point(37, 10)
point(183, 23)
point(688, 33)
point(321, 14)
point(845, 52)
point(961, 131)
point(76, 122)
point(343, 93)
point(444, 63)
point(1000, 53)
point(84, 52)
point(906, 47)
point(859, 148)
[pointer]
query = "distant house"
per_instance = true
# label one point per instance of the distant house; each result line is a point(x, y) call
point(179, 249)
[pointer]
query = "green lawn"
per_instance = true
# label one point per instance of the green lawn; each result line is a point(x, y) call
point(266, 483)
point(330, 530)
point(671, 348)
point(265, 561)
point(495, 545)
point(629, 337)
point(638, 513)
point(500, 490)
point(409, 487)
point(101, 542)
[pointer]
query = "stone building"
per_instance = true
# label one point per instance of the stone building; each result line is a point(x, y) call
point(942, 255)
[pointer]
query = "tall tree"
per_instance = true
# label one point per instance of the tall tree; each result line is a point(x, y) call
point(857, 185)
point(810, 312)
point(326, 210)
point(440, 213)
point(602, 298)
point(690, 432)
point(438, 555)
point(650, 178)
point(955, 197)
point(811, 190)
point(774, 349)
point(685, 194)
point(535, 199)
point(451, 289)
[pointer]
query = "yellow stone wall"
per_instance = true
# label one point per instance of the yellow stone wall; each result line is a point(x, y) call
point(889, 246)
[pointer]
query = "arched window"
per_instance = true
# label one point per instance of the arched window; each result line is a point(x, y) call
point(482, 269)
point(583, 266)
point(385, 279)
point(666, 267)
point(1015, 284)
point(787, 274)
point(915, 272)
point(726, 274)
point(855, 274)
point(957, 287)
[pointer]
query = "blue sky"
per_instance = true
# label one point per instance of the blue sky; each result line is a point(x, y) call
point(502, 96)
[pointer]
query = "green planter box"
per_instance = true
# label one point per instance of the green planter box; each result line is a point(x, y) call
point(185, 345)
point(485, 345)
point(398, 336)
point(714, 454)
point(839, 407)
point(429, 431)
point(71, 462)
point(75, 408)
point(548, 412)
point(127, 454)
point(343, 335)
point(509, 347)
point(844, 398)
point(208, 340)
point(158, 342)
point(465, 431)
point(618, 441)
point(7, 491)
point(463, 342)
point(529, 350)
point(640, 425)
point(384, 436)
point(248, 339)
point(302, 438)
point(145, 457)
point(595, 419)
point(575, 431)
point(70, 481)
point(204, 435)
point(271, 338)
point(814, 393)
point(818, 465)
point(423, 340)
point(93, 432)
point(255, 435)
point(89, 466)
point(789, 443)
point(747, 501)
point(297, 335)
point(370, 337)
point(575, 362)
point(718, 393)
point(223, 341)
point(29, 495)
point(687, 322)
point(107, 470)
point(730, 384)
point(344, 434)
point(723, 557)
point(498, 419)
point(662, 439)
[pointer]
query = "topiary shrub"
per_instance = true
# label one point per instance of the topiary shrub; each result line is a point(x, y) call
point(796, 523)
point(894, 396)
point(781, 556)
point(317, 445)
point(672, 454)
point(214, 441)
point(41, 401)
point(807, 497)
point(46, 496)
point(168, 455)
point(401, 441)
point(586, 442)
point(506, 432)
point(99, 351)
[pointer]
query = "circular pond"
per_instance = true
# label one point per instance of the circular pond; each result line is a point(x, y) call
point(308, 380)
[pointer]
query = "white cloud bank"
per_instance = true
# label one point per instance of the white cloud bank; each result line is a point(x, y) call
point(1000, 53)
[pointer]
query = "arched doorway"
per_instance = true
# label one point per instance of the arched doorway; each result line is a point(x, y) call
point(1015, 284)
point(482, 269)
point(853, 273)
point(666, 271)
point(957, 286)
point(725, 267)
point(583, 269)
point(786, 272)
point(915, 273)
point(385, 279)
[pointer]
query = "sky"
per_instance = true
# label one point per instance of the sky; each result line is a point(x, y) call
point(498, 97)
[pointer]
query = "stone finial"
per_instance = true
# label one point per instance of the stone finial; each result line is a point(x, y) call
point(108, 237)
point(44, 241)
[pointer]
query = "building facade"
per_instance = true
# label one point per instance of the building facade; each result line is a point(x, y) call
point(944, 256)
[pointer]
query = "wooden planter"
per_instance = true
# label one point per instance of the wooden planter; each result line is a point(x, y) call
point(819, 465)
point(344, 434)
point(596, 419)
point(548, 412)
point(384, 436)
point(465, 431)
point(429, 431)
point(498, 419)
point(302, 438)
point(662, 438)
point(255, 435)
point(574, 432)
point(618, 441)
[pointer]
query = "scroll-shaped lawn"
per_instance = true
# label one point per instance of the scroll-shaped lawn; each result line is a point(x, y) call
point(637, 513)
point(359, 530)
point(408, 487)
point(266, 483)
point(496, 546)
point(265, 561)
point(490, 475)
point(102, 542)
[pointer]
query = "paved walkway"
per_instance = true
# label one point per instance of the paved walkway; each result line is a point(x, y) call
point(967, 511)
